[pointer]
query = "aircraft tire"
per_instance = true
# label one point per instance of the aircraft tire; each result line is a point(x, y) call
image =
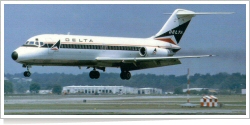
point(125, 75)
point(27, 74)
point(94, 74)
point(97, 74)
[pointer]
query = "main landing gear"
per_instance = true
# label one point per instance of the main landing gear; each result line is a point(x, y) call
point(125, 75)
point(94, 74)
point(27, 73)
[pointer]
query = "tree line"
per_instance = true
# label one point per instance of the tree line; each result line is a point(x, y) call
point(223, 81)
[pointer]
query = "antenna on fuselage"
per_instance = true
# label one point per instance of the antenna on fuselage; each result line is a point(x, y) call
point(68, 33)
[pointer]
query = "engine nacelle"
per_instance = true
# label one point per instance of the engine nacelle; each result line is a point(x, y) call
point(154, 52)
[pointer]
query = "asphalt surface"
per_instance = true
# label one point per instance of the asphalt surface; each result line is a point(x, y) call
point(109, 100)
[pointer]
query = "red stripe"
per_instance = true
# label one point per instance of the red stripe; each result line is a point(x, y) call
point(166, 40)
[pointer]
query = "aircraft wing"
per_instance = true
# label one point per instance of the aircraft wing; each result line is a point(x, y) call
point(137, 63)
point(148, 58)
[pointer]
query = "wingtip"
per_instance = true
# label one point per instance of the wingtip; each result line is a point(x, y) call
point(212, 55)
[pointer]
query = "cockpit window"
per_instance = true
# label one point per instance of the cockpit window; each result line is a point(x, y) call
point(37, 43)
point(32, 43)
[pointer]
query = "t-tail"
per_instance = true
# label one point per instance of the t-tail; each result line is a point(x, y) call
point(176, 25)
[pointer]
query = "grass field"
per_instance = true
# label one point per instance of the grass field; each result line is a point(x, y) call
point(118, 105)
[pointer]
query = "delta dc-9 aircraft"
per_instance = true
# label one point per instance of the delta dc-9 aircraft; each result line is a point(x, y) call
point(97, 52)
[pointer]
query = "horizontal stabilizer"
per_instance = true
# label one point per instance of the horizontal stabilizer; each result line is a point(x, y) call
point(187, 12)
point(208, 13)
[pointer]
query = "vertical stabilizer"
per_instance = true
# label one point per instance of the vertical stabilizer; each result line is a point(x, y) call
point(175, 26)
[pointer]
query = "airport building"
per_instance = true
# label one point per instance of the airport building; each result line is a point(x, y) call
point(196, 89)
point(99, 90)
point(201, 89)
point(109, 90)
point(148, 91)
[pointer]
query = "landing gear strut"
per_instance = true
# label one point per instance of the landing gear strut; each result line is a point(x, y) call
point(94, 74)
point(27, 73)
point(125, 75)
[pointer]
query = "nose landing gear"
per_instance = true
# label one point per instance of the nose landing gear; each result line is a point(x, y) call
point(27, 73)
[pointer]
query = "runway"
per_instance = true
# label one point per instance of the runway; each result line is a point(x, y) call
point(117, 105)
point(133, 111)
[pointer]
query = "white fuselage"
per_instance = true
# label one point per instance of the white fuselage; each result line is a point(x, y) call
point(100, 52)
point(78, 50)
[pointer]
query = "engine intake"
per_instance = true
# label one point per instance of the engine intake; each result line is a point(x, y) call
point(143, 51)
point(154, 52)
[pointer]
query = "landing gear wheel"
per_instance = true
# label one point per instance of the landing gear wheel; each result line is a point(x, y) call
point(94, 74)
point(125, 75)
point(27, 73)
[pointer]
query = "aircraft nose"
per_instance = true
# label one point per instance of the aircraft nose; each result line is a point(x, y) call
point(14, 55)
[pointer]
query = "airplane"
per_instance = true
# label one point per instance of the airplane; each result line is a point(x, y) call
point(100, 52)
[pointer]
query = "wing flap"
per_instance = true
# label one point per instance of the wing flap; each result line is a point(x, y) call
point(144, 62)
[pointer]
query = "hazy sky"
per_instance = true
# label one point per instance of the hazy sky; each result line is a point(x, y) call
point(222, 35)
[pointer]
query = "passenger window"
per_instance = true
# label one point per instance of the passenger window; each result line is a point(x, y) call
point(41, 43)
point(45, 45)
point(50, 45)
